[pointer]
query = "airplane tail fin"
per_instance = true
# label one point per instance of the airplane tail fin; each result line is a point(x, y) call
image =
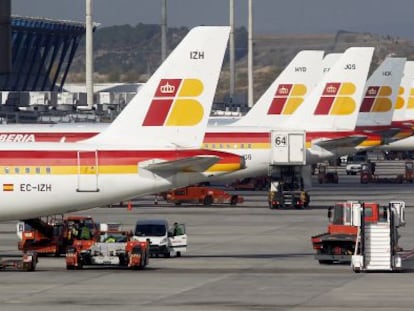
point(287, 92)
point(173, 107)
point(381, 91)
point(404, 108)
point(334, 103)
point(328, 61)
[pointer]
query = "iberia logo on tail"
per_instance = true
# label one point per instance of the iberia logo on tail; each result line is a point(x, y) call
point(174, 103)
point(410, 104)
point(287, 99)
point(377, 99)
point(336, 99)
point(400, 99)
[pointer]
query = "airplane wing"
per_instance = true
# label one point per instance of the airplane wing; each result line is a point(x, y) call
point(193, 164)
point(349, 141)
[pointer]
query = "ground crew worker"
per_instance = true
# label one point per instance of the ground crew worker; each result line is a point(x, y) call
point(85, 233)
point(177, 229)
point(110, 239)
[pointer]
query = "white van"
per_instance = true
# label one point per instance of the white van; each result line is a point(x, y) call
point(163, 240)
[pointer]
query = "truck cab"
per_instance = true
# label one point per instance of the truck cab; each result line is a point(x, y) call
point(338, 243)
point(164, 240)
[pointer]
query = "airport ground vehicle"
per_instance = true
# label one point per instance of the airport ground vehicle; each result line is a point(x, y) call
point(27, 263)
point(377, 241)
point(370, 175)
point(163, 240)
point(113, 247)
point(52, 235)
point(251, 183)
point(338, 243)
point(202, 195)
point(287, 188)
point(354, 164)
point(326, 175)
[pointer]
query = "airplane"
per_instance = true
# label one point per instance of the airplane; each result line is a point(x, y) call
point(404, 112)
point(153, 145)
point(286, 98)
point(379, 102)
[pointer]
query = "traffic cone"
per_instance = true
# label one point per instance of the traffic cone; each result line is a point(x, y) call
point(129, 205)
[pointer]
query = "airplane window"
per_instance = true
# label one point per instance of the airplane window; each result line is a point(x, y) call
point(249, 146)
point(6, 170)
point(17, 170)
point(214, 146)
point(48, 170)
point(37, 170)
point(221, 146)
point(242, 146)
point(228, 146)
point(27, 170)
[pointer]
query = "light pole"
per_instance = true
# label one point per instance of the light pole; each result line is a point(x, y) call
point(250, 55)
point(163, 29)
point(89, 55)
point(231, 51)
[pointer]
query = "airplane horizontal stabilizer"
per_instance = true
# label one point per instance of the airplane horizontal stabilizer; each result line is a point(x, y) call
point(388, 133)
point(194, 164)
point(350, 141)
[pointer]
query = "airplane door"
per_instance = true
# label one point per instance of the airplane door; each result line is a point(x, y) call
point(87, 171)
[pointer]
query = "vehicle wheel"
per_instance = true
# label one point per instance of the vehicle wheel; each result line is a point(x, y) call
point(233, 200)
point(167, 255)
point(347, 173)
point(177, 203)
point(70, 267)
point(142, 263)
point(178, 254)
point(208, 200)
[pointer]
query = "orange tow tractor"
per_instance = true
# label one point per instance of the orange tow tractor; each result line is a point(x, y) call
point(202, 195)
point(112, 248)
point(51, 235)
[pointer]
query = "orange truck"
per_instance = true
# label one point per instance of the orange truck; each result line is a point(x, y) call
point(52, 235)
point(338, 243)
point(202, 195)
point(111, 248)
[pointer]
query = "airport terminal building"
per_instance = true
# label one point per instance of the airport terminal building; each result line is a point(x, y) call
point(37, 54)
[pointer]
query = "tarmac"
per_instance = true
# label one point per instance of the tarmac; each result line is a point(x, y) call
point(244, 257)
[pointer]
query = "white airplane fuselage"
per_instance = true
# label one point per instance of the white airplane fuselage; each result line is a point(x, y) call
point(70, 177)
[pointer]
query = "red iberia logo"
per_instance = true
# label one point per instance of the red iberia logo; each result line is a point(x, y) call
point(287, 99)
point(174, 103)
point(336, 99)
point(8, 187)
point(377, 99)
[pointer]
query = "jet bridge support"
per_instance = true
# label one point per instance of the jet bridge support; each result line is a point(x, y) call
point(288, 172)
